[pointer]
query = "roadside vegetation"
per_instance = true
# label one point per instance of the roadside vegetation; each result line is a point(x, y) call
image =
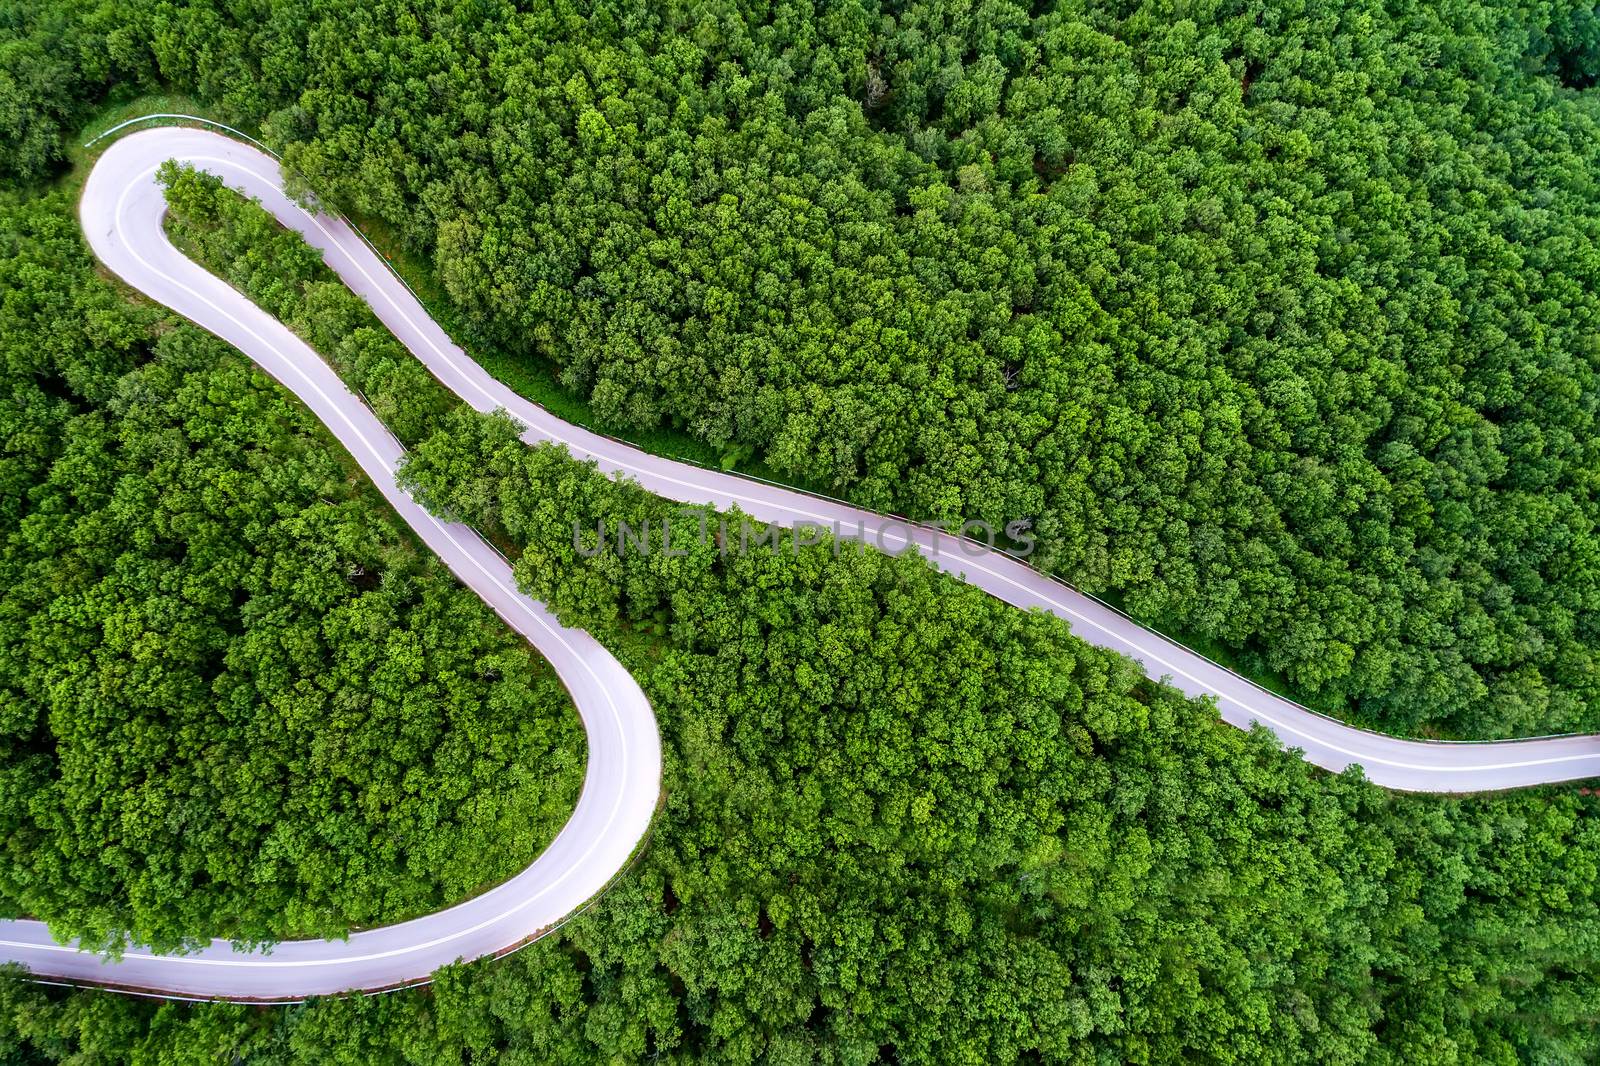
point(904, 821)
point(1278, 320)
point(235, 697)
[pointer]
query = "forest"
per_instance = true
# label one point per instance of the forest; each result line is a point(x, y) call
point(1277, 319)
point(905, 822)
point(237, 699)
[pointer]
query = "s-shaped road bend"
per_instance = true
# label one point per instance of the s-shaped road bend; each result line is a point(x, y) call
point(122, 210)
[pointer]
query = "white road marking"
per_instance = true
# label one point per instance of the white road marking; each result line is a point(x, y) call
point(122, 209)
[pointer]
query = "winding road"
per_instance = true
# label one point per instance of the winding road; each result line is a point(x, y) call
point(121, 211)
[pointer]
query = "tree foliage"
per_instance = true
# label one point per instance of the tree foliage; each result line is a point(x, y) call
point(235, 698)
point(56, 58)
point(906, 823)
point(1278, 319)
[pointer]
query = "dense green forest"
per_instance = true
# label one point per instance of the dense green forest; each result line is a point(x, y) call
point(906, 822)
point(236, 697)
point(1278, 318)
point(241, 243)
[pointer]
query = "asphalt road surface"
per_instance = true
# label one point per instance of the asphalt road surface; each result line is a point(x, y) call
point(122, 210)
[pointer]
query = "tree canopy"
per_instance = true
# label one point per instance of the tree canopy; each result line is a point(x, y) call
point(235, 697)
point(906, 823)
point(1278, 319)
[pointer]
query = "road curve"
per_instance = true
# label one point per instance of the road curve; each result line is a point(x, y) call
point(121, 211)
